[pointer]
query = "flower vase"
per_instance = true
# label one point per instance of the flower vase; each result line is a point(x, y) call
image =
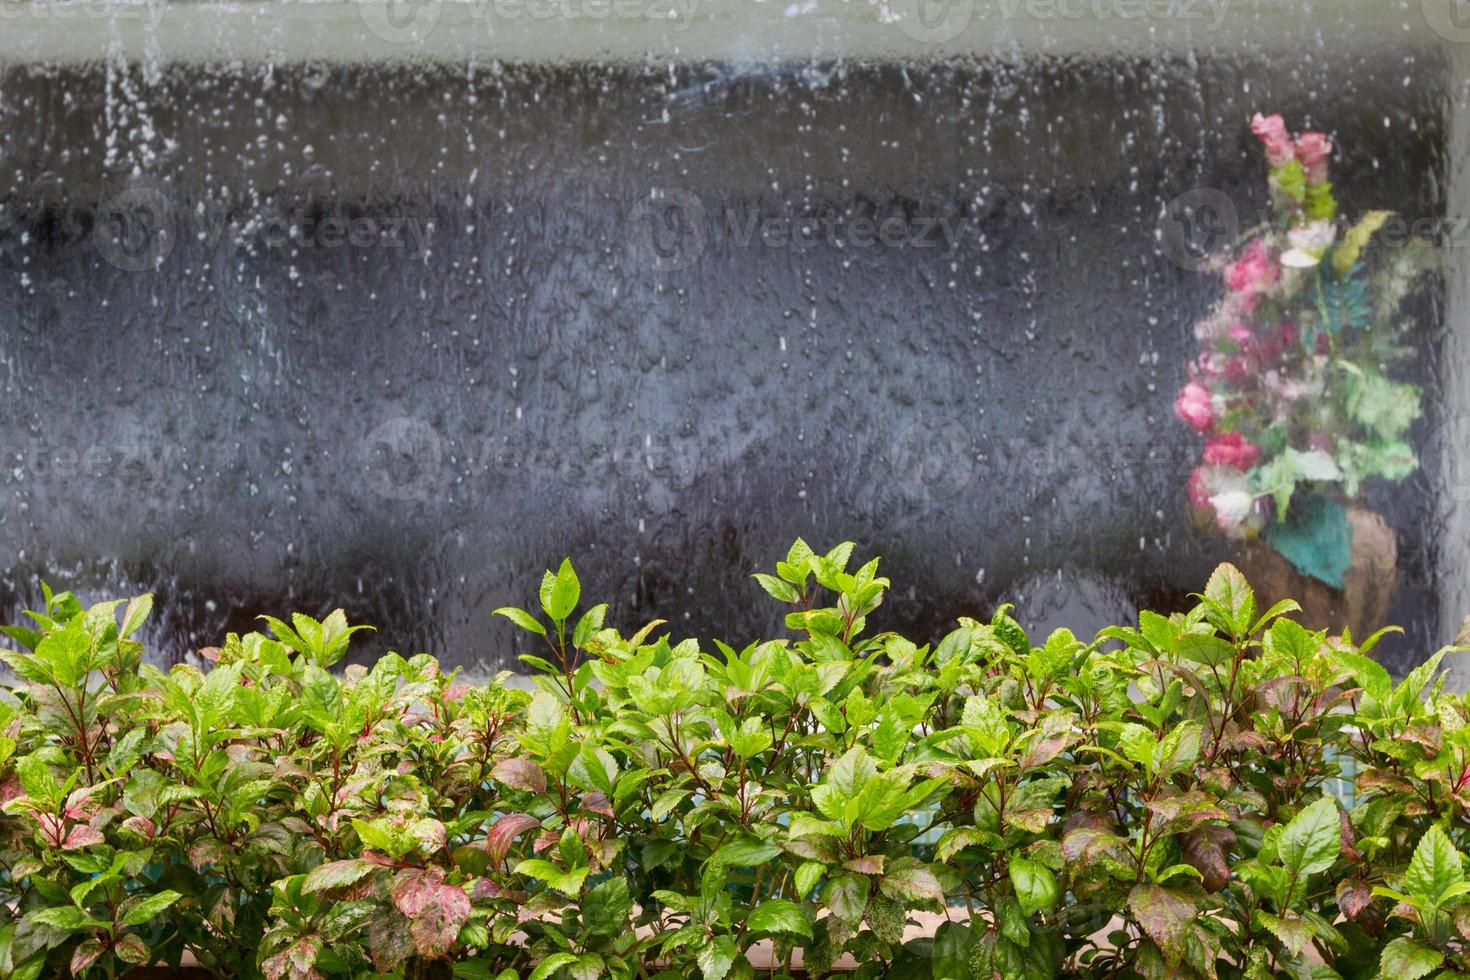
point(1362, 603)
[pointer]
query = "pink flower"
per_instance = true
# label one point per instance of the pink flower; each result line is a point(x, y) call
point(1239, 368)
point(1290, 389)
point(1271, 130)
point(1210, 364)
point(1194, 407)
point(1231, 449)
point(1240, 333)
point(1199, 488)
point(1313, 150)
point(1253, 272)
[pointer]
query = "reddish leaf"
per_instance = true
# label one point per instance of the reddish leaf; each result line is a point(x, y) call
point(597, 802)
point(131, 949)
point(869, 865)
point(485, 888)
point(1164, 915)
point(1087, 845)
point(430, 835)
point(1186, 810)
point(436, 927)
point(296, 962)
point(141, 826)
point(1043, 750)
point(81, 836)
point(506, 830)
point(1353, 896)
point(414, 889)
point(389, 943)
point(85, 955)
point(520, 774)
point(1206, 849)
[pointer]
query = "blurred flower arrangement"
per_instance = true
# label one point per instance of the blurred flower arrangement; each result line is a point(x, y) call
point(1293, 390)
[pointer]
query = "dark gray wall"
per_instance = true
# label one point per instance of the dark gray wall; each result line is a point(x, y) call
point(415, 433)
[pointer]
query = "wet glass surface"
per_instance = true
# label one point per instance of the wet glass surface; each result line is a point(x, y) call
point(399, 336)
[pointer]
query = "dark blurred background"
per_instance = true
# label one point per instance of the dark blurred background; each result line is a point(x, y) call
point(548, 337)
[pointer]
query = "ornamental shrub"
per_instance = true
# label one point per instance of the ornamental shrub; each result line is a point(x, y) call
point(1154, 802)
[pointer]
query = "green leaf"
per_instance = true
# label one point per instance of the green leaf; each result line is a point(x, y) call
point(847, 897)
point(564, 593)
point(67, 917)
point(807, 876)
point(551, 964)
point(589, 624)
point(1435, 867)
point(777, 588)
point(136, 615)
point(745, 854)
point(522, 619)
point(150, 907)
point(1035, 885)
point(1408, 959)
point(779, 915)
point(1179, 749)
point(67, 653)
point(716, 958)
point(951, 952)
point(1204, 648)
point(1312, 841)
point(911, 881)
point(1228, 590)
point(606, 906)
point(337, 874)
point(1293, 932)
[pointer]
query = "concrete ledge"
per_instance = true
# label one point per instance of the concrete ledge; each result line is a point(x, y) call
point(59, 31)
